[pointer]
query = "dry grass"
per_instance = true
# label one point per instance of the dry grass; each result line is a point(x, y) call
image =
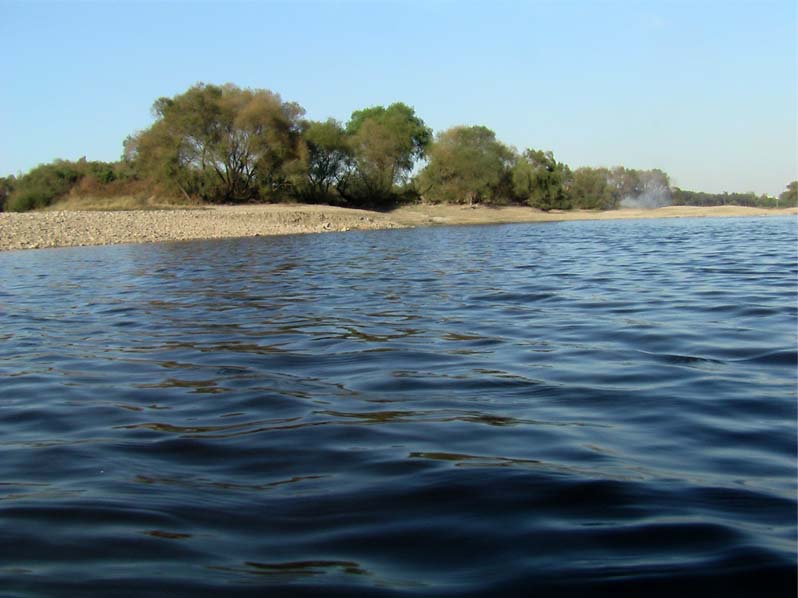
point(122, 203)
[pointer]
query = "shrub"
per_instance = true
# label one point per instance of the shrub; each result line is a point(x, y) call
point(42, 186)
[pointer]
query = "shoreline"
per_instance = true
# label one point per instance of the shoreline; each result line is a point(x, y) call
point(50, 229)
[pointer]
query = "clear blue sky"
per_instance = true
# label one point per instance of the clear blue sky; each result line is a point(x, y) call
point(705, 90)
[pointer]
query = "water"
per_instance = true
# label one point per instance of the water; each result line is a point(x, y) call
point(588, 408)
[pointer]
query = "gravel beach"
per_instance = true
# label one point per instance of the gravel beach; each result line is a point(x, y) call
point(35, 230)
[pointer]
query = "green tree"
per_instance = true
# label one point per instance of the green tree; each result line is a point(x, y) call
point(683, 197)
point(540, 181)
point(466, 164)
point(385, 143)
point(220, 143)
point(6, 187)
point(590, 189)
point(789, 197)
point(326, 157)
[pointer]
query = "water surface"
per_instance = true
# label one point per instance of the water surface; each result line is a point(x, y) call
point(585, 408)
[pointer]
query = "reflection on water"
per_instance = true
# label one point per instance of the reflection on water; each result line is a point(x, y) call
point(601, 408)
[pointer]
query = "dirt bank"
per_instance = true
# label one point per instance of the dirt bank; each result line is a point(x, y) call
point(426, 214)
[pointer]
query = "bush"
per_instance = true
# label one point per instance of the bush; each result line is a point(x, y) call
point(6, 187)
point(42, 186)
point(48, 183)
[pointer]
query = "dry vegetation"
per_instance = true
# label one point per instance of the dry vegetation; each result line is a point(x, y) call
point(75, 203)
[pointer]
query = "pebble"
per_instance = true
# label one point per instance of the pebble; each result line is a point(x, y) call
point(34, 230)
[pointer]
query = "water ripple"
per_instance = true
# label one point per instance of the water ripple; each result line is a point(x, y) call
point(603, 409)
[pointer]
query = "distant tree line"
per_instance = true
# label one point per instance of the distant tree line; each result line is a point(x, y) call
point(225, 144)
point(788, 198)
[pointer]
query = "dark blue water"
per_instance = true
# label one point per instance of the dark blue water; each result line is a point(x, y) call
point(588, 408)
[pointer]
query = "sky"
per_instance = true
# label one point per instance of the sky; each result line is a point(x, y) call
point(704, 90)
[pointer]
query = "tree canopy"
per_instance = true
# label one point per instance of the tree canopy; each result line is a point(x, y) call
point(789, 197)
point(385, 144)
point(327, 159)
point(220, 143)
point(226, 144)
point(466, 164)
point(540, 181)
point(7, 185)
point(591, 190)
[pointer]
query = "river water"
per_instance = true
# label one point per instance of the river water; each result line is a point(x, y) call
point(560, 409)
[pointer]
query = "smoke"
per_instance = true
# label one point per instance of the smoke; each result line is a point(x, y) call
point(654, 195)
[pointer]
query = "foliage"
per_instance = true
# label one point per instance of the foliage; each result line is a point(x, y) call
point(684, 197)
point(326, 159)
point(385, 143)
point(590, 189)
point(220, 143)
point(644, 189)
point(223, 143)
point(466, 164)
point(7, 185)
point(540, 181)
point(47, 183)
point(43, 185)
point(789, 197)
point(609, 189)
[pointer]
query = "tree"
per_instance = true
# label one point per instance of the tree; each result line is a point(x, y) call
point(605, 189)
point(220, 143)
point(327, 156)
point(540, 181)
point(682, 197)
point(6, 187)
point(466, 164)
point(385, 143)
point(590, 189)
point(625, 183)
point(789, 197)
point(643, 189)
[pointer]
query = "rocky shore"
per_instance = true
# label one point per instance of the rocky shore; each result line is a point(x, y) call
point(34, 230)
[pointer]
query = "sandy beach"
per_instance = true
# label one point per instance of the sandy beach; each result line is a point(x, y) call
point(35, 230)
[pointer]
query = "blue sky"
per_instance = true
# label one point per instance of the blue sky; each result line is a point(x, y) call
point(704, 90)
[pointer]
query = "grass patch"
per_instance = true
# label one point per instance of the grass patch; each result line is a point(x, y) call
point(123, 203)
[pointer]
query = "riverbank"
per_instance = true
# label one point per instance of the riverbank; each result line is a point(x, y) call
point(33, 230)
